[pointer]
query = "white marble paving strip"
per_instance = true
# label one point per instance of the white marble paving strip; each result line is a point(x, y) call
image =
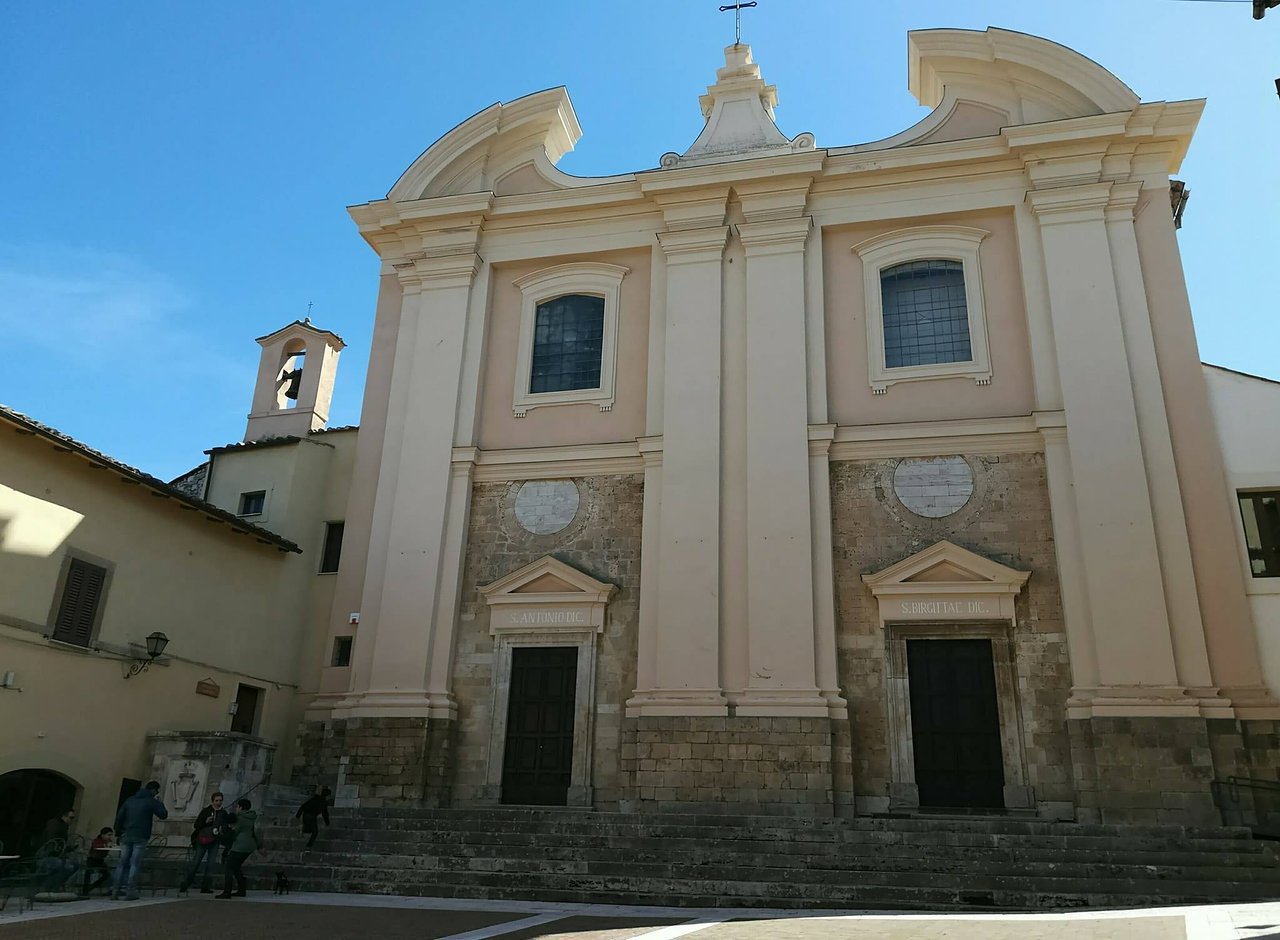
point(680, 930)
point(511, 926)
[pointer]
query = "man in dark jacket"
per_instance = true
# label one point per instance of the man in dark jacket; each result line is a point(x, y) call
point(206, 839)
point(133, 828)
point(55, 864)
point(315, 807)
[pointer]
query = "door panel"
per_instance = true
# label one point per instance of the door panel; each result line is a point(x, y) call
point(538, 755)
point(955, 723)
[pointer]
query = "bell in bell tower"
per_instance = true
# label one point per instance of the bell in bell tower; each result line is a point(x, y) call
point(295, 381)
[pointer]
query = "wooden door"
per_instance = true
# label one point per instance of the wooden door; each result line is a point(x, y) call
point(538, 754)
point(955, 723)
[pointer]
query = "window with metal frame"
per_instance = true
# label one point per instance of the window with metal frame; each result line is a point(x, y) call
point(567, 344)
point(332, 553)
point(82, 593)
point(342, 651)
point(252, 503)
point(1260, 512)
point(926, 316)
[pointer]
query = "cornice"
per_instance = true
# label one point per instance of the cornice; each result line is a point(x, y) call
point(1017, 434)
point(726, 174)
point(551, 463)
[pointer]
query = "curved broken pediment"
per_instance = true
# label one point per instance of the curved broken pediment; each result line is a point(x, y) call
point(505, 148)
point(979, 81)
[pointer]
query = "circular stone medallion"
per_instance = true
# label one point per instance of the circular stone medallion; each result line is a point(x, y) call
point(933, 487)
point(544, 507)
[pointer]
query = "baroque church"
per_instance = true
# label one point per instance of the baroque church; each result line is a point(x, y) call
point(823, 479)
point(785, 477)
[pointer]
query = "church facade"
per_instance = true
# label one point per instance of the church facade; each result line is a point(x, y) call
point(809, 479)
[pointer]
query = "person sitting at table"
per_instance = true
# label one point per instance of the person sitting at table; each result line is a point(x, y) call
point(96, 863)
point(56, 867)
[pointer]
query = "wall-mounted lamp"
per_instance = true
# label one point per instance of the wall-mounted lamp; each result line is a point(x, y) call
point(156, 643)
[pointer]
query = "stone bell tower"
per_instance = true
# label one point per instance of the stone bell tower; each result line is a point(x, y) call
point(295, 381)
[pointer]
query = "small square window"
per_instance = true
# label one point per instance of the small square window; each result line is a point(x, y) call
point(1260, 513)
point(342, 651)
point(332, 553)
point(251, 504)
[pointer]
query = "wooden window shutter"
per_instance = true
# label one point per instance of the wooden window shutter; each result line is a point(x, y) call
point(81, 596)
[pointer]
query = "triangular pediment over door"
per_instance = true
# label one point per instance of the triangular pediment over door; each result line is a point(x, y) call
point(946, 582)
point(547, 594)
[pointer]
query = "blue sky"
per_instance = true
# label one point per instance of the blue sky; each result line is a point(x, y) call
point(176, 175)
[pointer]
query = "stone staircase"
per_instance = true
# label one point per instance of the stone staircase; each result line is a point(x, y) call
point(939, 863)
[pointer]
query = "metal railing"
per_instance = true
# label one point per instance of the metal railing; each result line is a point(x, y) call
point(1248, 802)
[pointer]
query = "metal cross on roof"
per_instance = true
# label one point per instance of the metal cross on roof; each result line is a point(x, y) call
point(737, 9)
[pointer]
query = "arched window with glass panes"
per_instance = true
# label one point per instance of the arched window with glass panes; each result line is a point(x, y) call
point(925, 315)
point(568, 338)
point(568, 346)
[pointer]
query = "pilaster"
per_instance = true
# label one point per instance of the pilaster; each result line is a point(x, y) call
point(681, 627)
point(410, 594)
point(779, 549)
point(1119, 550)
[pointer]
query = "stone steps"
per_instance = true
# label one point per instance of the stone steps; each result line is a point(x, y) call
point(767, 861)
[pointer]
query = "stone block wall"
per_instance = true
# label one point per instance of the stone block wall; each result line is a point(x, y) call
point(736, 765)
point(1007, 519)
point(603, 540)
point(372, 762)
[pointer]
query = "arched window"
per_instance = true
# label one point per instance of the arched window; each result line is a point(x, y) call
point(568, 338)
point(568, 346)
point(926, 318)
point(923, 306)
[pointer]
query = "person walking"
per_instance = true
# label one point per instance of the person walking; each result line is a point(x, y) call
point(246, 842)
point(133, 827)
point(317, 807)
point(206, 840)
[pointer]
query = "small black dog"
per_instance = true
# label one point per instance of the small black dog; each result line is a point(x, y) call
point(282, 883)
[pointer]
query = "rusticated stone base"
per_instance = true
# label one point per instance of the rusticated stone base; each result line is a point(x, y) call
point(737, 765)
point(1159, 770)
point(372, 762)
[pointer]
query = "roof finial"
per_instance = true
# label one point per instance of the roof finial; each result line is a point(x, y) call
point(737, 9)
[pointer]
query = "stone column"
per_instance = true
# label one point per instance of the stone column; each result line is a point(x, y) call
point(419, 522)
point(780, 613)
point(681, 635)
point(1112, 499)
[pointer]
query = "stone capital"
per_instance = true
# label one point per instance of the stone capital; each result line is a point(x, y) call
point(432, 271)
point(691, 246)
point(1063, 205)
point(774, 237)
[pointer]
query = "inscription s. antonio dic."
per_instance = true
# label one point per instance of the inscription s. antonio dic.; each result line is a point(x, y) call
point(548, 616)
point(946, 607)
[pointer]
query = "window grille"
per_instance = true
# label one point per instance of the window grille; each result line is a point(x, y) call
point(567, 342)
point(342, 651)
point(78, 609)
point(1261, 515)
point(926, 318)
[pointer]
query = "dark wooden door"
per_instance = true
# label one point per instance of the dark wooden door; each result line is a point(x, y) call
point(538, 756)
point(245, 720)
point(955, 725)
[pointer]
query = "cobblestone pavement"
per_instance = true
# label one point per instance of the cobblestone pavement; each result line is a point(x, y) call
point(339, 917)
